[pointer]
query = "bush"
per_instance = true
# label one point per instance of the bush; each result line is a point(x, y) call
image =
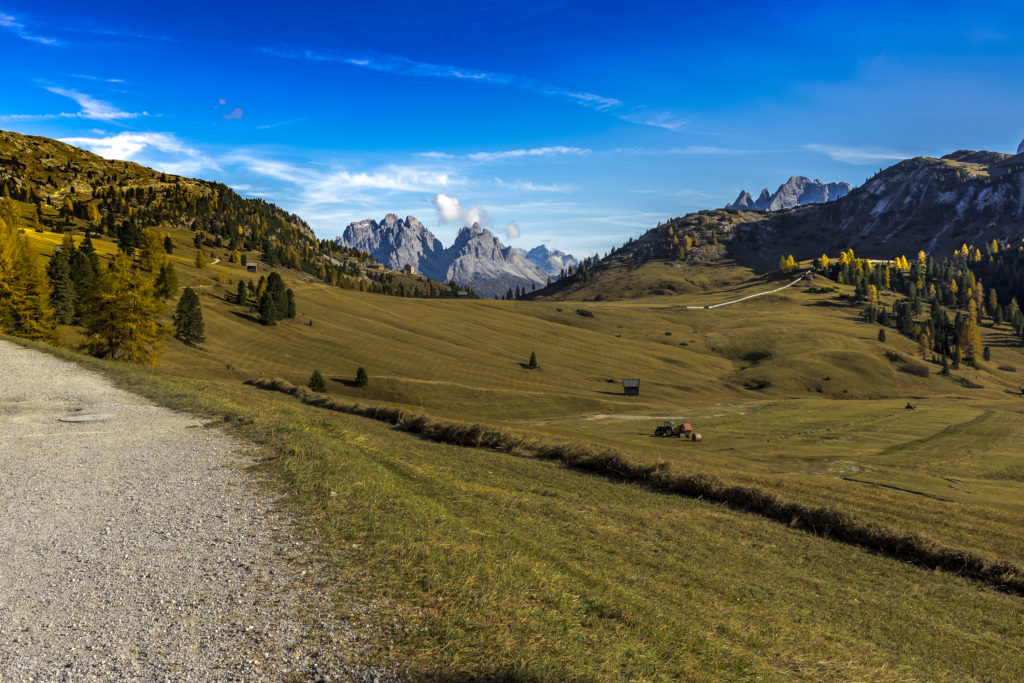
point(881, 335)
point(361, 379)
point(316, 382)
point(585, 313)
point(916, 369)
point(893, 356)
point(1007, 368)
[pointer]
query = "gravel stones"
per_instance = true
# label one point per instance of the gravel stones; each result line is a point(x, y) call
point(135, 546)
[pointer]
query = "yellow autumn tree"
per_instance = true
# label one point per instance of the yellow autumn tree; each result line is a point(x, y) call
point(201, 261)
point(121, 313)
point(25, 308)
point(152, 255)
point(970, 333)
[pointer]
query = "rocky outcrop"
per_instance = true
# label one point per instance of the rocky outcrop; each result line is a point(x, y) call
point(1020, 147)
point(476, 259)
point(797, 191)
point(551, 262)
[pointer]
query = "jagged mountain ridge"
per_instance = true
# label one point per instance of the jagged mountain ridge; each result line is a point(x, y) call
point(796, 191)
point(476, 258)
point(550, 261)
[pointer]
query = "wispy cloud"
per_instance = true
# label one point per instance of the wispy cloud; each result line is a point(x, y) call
point(512, 230)
point(98, 78)
point(403, 66)
point(695, 150)
point(93, 108)
point(534, 152)
point(528, 186)
point(235, 113)
point(279, 124)
point(161, 151)
point(658, 119)
point(19, 29)
point(860, 156)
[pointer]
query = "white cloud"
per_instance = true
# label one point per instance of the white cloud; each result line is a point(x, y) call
point(435, 155)
point(161, 151)
point(534, 152)
point(860, 156)
point(9, 22)
point(512, 230)
point(93, 108)
point(450, 210)
point(98, 78)
point(236, 113)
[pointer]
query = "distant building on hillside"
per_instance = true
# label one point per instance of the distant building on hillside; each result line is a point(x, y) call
point(631, 387)
point(408, 269)
point(250, 267)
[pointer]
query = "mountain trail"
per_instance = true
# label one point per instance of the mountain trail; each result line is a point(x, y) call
point(134, 544)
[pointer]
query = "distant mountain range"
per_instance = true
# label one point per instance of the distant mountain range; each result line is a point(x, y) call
point(476, 258)
point(796, 191)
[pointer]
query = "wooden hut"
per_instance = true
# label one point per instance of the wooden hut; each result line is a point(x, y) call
point(631, 387)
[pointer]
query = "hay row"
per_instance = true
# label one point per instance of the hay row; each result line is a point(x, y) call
point(824, 522)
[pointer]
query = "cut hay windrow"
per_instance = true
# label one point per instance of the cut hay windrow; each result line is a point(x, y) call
point(824, 522)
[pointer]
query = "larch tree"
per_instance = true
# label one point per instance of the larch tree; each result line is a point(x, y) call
point(121, 314)
point(152, 255)
point(25, 308)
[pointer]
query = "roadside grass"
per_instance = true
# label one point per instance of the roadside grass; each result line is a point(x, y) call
point(488, 565)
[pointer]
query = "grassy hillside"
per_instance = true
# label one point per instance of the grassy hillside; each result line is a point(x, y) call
point(490, 564)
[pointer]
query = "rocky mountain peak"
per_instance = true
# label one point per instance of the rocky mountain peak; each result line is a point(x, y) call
point(797, 191)
point(476, 258)
point(1020, 147)
point(551, 262)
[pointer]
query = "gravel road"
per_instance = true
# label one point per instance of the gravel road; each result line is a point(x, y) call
point(134, 545)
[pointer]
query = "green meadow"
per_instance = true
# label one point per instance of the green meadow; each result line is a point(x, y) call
point(483, 563)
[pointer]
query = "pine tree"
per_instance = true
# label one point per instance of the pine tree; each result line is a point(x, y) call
point(188, 319)
point(290, 304)
point(881, 335)
point(242, 295)
point(316, 382)
point(268, 309)
point(361, 378)
point(121, 314)
point(63, 296)
point(987, 354)
point(533, 359)
point(168, 244)
point(166, 284)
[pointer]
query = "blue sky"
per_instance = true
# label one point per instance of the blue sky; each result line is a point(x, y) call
point(578, 125)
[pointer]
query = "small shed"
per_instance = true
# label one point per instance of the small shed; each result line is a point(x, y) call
point(1022, 391)
point(250, 267)
point(631, 387)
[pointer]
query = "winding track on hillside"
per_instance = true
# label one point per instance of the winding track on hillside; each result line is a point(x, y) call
point(134, 544)
point(745, 298)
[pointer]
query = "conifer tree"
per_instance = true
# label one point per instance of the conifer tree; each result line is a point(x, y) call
point(290, 304)
point(881, 334)
point(201, 261)
point(63, 296)
point(533, 359)
point(121, 314)
point(152, 255)
point(24, 289)
point(166, 284)
point(188, 319)
point(242, 295)
point(268, 309)
point(361, 378)
point(168, 244)
point(316, 382)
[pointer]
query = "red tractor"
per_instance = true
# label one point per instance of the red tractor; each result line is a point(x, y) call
point(683, 431)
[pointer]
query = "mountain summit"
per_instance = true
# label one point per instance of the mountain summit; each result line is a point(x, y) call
point(796, 191)
point(476, 259)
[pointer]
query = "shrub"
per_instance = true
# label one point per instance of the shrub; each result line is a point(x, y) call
point(316, 382)
point(881, 335)
point(893, 356)
point(585, 313)
point(916, 369)
point(1007, 368)
point(361, 379)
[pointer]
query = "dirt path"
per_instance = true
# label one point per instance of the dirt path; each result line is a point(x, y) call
point(751, 296)
point(134, 545)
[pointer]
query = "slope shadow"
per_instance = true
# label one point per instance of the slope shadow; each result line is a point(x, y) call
point(346, 382)
point(246, 316)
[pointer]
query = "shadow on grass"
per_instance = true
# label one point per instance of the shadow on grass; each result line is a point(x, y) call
point(246, 316)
